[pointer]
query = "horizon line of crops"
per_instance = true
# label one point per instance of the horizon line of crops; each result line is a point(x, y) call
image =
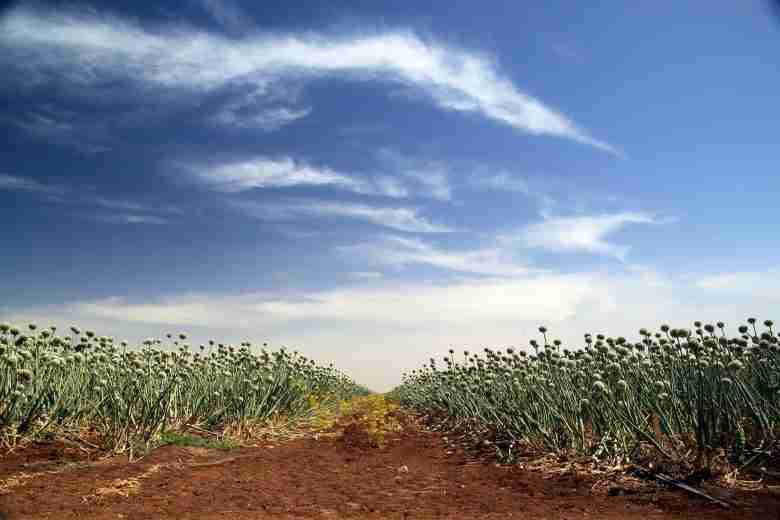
point(51, 383)
point(689, 396)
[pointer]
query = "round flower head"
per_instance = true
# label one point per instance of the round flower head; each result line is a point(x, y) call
point(24, 375)
point(735, 365)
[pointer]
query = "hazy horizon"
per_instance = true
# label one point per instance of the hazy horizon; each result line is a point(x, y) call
point(374, 185)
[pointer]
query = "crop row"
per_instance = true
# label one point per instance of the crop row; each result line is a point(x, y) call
point(688, 396)
point(128, 395)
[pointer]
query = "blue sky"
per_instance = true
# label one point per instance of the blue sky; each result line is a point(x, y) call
point(373, 185)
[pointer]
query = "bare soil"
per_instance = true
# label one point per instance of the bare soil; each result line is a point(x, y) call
point(342, 475)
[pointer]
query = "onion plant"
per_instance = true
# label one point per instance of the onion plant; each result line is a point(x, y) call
point(51, 382)
point(689, 395)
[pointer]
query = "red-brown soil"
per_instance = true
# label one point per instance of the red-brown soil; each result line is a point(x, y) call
point(412, 476)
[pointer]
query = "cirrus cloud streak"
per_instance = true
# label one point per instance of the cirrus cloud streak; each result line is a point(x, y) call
point(89, 49)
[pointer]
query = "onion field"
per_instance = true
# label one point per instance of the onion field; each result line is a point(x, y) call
point(699, 398)
point(89, 386)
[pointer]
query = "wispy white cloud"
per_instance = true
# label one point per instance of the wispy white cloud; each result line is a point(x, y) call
point(266, 172)
point(126, 205)
point(582, 233)
point(551, 194)
point(130, 218)
point(15, 183)
point(87, 49)
point(415, 175)
point(614, 302)
point(504, 182)
point(398, 218)
point(267, 105)
point(61, 127)
point(741, 281)
point(35, 122)
point(239, 175)
point(401, 251)
point(724, 280)
point(555, 299)
point(367, 275)
point(392, 186)
point(265, 119)
point(225, 13)
point(124, 211)
point(436, 182)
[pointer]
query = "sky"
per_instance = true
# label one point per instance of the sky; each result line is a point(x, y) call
point(375, 184)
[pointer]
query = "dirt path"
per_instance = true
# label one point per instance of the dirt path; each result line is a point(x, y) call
point(412, 476)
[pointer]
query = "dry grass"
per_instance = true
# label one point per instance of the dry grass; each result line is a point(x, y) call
point(122, 487)
point(8, 484)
